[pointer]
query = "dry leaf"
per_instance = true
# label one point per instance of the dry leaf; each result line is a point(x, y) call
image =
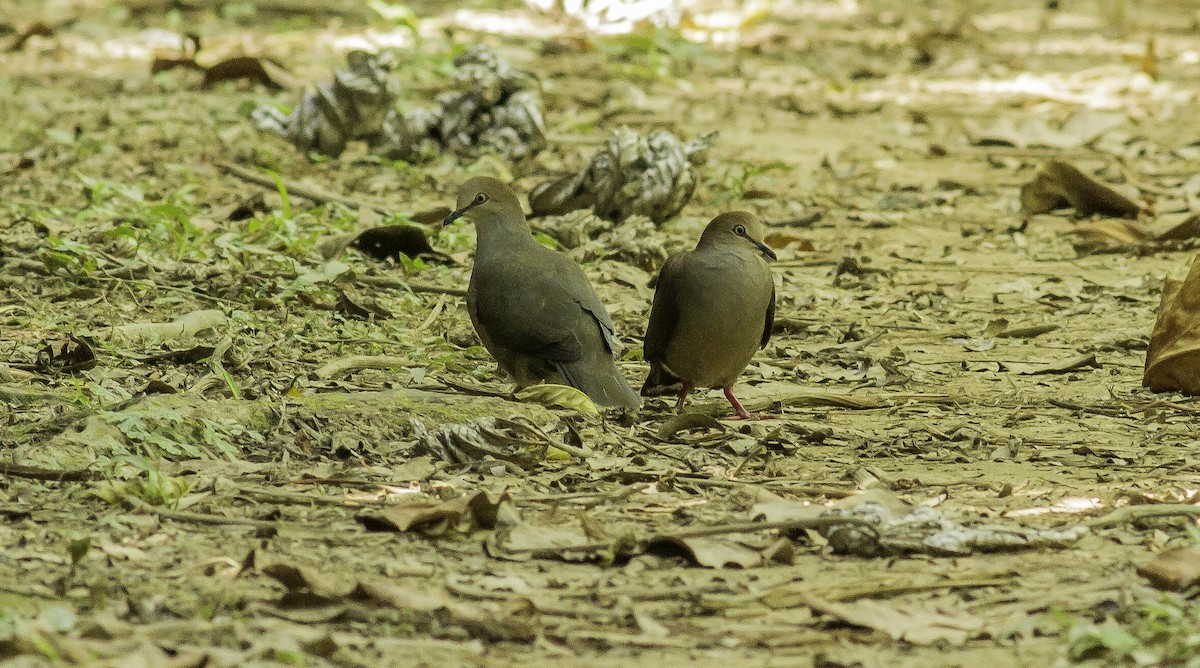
point(189, 324)
point(910, 624)
point(1188, 229)
point(392, 241)
point(1085, 361)
point(708, 552)
point(466, 513)
point(558, 396)
point(1175, 569)
point(1060, 184)
point(1173, 356)
point(1126, 232)
point(1079, 130)
point(685, 422)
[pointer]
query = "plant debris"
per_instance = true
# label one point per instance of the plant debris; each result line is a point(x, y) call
point(1060, 184)
point(493, 107)
point(1173, 356)
point(650, 175)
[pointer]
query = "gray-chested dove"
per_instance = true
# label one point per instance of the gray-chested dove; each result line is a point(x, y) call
point(533, 307)
point(713, 309)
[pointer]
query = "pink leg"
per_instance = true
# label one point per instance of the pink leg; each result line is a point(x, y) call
point(741, 412)
point(683, 392)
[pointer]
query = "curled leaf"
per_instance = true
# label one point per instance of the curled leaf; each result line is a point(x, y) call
point(1173, 356)
point(558, 396)
point(687, 421)
point(1059, 184)
point(649, 175)
point(392, 241)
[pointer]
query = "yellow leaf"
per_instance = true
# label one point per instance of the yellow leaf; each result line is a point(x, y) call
point(558, 396)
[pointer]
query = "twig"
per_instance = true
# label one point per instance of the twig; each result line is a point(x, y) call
point(198, 518)
point(1135, 513)
point(719, 530)
point(347, 365)
point(23, 395)
point(831, 492)
point(35, 473)
point(307, 192)
point(388, 282)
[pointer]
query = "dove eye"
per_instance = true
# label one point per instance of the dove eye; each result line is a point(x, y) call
point(481, 198)
point(740, 230)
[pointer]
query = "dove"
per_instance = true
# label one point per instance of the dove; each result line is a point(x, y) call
point(532, 307)
point(713, 309)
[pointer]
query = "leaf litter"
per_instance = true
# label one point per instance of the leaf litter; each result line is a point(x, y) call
point(299, 375)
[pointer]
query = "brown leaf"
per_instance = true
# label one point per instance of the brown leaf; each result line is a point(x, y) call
point(783, 239)
point(510, 621)
point(1085, 361)
point(74, 356)
point(433, 216)
point(180, 357)
point(476, 511)
point(38, 29)
point(1079, 130)
point(310, 580)
point(1126, 232)
point(708, 552)
point(392, 241)
point(1175, 569)
point(248, 68)
point(1059, 184)
point(1188, 229)
point(164, 64)
point(686, 422)
point(1173, 356)
point(356, 305)
point(910, 624)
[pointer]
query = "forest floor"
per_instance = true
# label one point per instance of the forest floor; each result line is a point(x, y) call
point(219, 493)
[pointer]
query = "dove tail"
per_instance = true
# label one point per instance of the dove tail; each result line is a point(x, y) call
point(660, 382)
point(602, 382)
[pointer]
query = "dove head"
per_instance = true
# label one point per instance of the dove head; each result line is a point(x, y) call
point(737, 229)
point(483, 199)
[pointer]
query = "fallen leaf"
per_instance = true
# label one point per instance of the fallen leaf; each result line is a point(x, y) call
point(37, 29)
point(1173, 356)
point(480, 510)
point(1175, 569)
point(1059, 184)
point(392, 241)
point(707, 552)
point(188, 324)
point(687, 422)
point(1085, 361)
point(909, 623)
point(247, 68)
point(73, 356)
point(181, 357)
point(558, 396)
point(1079, 130)
point(1125, 232)
point(356, 305)
point(1188, 229)
point(317, 582)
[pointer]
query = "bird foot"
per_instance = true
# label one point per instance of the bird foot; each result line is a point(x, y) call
point(683, 392)
point(742, 413)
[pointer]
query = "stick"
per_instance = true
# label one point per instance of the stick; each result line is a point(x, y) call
point(199, 518)
point(307, 192)
point(35, 473)
point(388, 282)
point(719, 530)
point(1135, 513)
point(346, 365)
